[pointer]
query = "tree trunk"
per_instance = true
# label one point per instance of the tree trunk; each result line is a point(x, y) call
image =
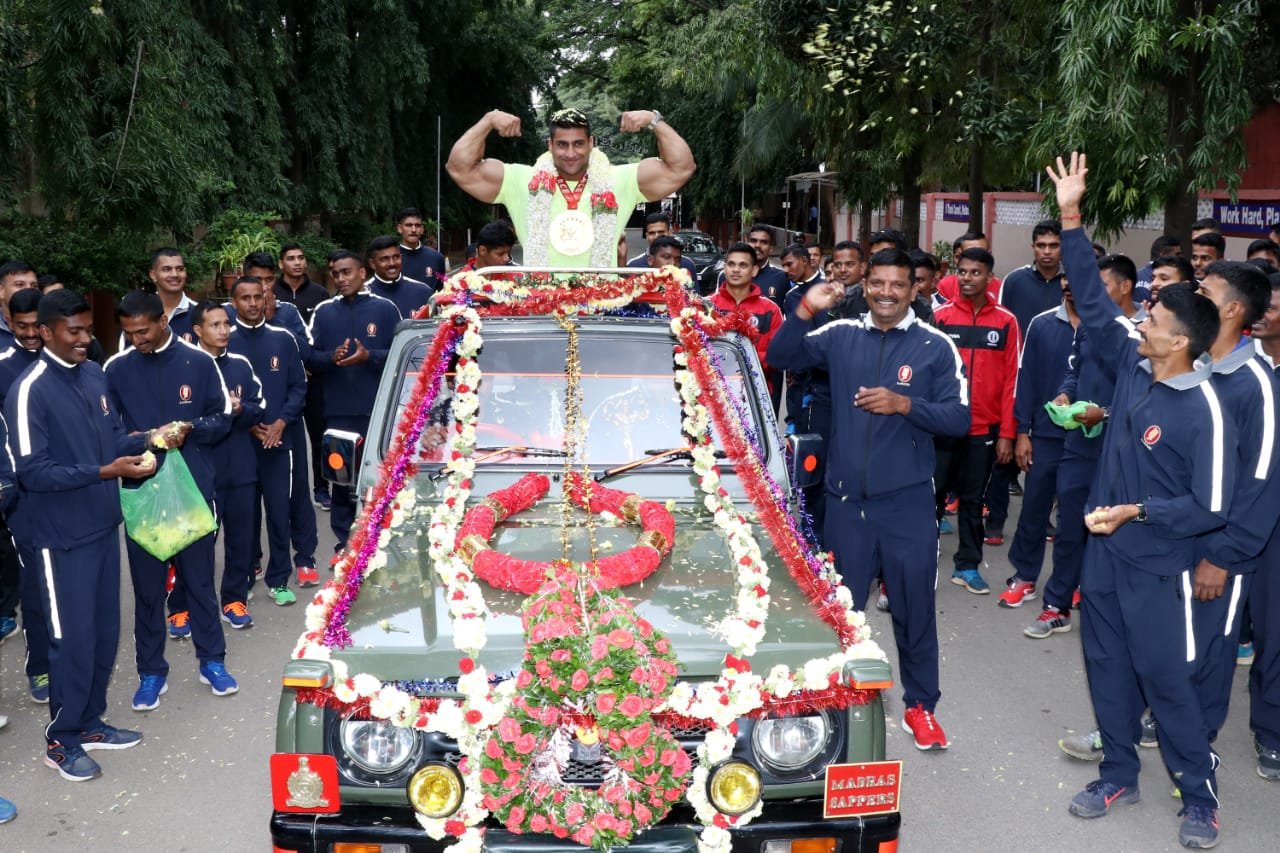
point(912, 166)
point(977, 172)
point(1186, 106)
point(864, 223)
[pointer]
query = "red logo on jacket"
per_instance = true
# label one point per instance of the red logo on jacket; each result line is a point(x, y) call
point(904, 375)
point(275, 362)
point(371, 329)
point(1151, 435)
point(184, 393)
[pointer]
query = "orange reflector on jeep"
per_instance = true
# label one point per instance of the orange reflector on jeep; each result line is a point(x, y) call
point(313, 681)
point(349, 847)
point(813, 845)
point(304, 783)
point(873, 685)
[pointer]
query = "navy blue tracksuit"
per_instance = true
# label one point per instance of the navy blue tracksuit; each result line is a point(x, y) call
point(1045, 354)
point(1264, 675)
point(1170, 446)
point(408, 294)
point(277, 361)
point(177, 382)
point(809, 407)
point(64, 429)
point(422, 264)
point(879, 475)
point(13, 362)
point(234, 484)
point(349, 391)
point(1249, 391)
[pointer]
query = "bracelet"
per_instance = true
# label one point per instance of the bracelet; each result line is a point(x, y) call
point(1070, 216)
point(804, 303)
point(653, 122)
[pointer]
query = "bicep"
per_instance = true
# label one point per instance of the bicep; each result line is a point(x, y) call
point(481, 180)
point(656, 179)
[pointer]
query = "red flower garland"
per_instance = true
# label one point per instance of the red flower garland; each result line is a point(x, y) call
point(503, 571)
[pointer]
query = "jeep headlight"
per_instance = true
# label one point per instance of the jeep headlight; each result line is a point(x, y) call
point(436, 790)
point(376, 745)
point(734, 787)
point(790, 743)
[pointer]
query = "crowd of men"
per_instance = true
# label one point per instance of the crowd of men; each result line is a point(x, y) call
point(242, 392)
point(1141, 404)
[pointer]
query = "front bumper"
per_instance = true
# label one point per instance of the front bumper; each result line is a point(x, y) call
point(790, 819)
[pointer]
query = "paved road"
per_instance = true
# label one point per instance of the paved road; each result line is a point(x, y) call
point(198, 782)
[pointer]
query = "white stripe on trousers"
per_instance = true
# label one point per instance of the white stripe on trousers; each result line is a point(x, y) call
point(1231, 608)
point(1186, 615)
point(53, 598)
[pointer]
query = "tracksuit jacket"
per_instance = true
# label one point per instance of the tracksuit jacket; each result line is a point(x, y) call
point(273, 354)
point(234, 457)
point(177, 382)
point(349, 391)
point(988, 342)
point(873, 456)
point(422, 264)
point(13, 362)
point(767, 317)
point(1044, 362)
point(408, 294)
point(64, 427)
point(1168, 444)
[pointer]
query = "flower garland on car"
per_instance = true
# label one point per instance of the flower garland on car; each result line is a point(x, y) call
point(604, 210)
point(706, 402)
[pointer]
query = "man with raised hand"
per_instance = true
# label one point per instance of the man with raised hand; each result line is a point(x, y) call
point(895, 384)
point(571, 205)
point(1164, 479)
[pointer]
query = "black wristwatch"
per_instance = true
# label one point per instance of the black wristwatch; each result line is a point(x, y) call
point(1142, 512)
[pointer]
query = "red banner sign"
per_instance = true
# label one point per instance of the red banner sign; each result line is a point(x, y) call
point(852, 790)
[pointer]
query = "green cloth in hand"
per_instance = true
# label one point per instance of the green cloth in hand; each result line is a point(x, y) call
point(1065, 416)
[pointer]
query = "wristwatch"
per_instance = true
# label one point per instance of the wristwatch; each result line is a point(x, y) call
point(653, 122)
point(1142, 512)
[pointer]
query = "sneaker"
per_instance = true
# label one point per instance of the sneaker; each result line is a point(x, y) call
point(1268, 761)
point(39, 687)
point(180, 625)
point(1050, 621)
point(953, 505)
point(971, 579)
point(945, 527)
point(1015, 488)
point(321, 499)
point(1199, 827)
point(1099, 796)
point(335, 560)
point(308, 576)
point(1086, 747)
point(1244, 654)
point(882, 600)
point(1075, 599)
point(282, 596)
point(257, 572)
point(8, 627)
point(1017, 592)
point(237, 615)
point(150, 689)
point(71, 762)
point(994, 535)
point(214, 674)
point(1150, 739)
point(109, 737)
point(924, 728)
point(8, 811)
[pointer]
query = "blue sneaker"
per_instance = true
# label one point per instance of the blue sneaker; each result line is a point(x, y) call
point(970, 579)
point(945, 527)
point(71, 762)
point(39, 687)
point(214, 674)
point(320, 497)
point(1098, 797)
point(1244, 654)
point(150, 689)
point(108, 737)
point(237, 615)
point(8, 627)
point(1199, 827)
point(8, 811)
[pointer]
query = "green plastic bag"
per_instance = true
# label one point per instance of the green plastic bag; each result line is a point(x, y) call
point(167, 512)
point(1065, 416)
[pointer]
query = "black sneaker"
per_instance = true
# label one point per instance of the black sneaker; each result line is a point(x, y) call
point(1268, 761)
point(109, 737)
point(1099, 796)
point(71, 762)
point(1150, 737)
point(1199, 827)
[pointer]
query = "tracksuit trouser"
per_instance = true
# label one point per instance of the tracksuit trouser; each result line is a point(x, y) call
point(194, 570)
point(895, 538)
point(313, 419)
point(275, 478)
point(1026, 552)
point(80, 588)
point(1075, 477)
point(10, 572)
point(1264, 675)
point(35, 627)
point(996, 497)
point(964, 466)
point(1139, 641)
point(1217, 625)
point(302, 513)
point(235, 519)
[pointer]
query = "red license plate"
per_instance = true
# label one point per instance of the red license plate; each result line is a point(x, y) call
point(304, 783)
point(852, 790)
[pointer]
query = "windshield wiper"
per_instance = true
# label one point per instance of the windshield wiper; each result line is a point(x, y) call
point(487, 453)
point(659, 457)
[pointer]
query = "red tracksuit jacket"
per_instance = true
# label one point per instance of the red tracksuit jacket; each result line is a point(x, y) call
point(989, 344)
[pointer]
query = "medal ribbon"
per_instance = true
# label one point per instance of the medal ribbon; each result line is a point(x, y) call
point(572, 196)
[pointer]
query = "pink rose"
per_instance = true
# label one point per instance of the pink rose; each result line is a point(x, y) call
point(560, 655)
point(621, 638)
point(542, 668)
point(524, 679)
point(525, 744)
point(599, 648)
point(488, 777)
point(604, 675)
point(643, 815)
point(508, 729)
point(632, 706)
point(580, 680)
point(492, 749)
point(574, 814)
point(515, 818)
point(538, 823)
point(605, 703)
point(636, 737)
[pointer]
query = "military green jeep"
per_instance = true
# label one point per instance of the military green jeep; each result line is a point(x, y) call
point(363, 758)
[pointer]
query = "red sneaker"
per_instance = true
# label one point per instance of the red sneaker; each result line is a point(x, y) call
point(1075, 599)
point(308, 576)
point(953, 506)
point(993, 539)
point(1018, 592)
point(922, 726)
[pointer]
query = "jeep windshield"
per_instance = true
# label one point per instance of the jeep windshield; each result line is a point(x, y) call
point(630, 402)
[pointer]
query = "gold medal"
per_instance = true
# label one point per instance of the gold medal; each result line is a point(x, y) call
point(571, 233)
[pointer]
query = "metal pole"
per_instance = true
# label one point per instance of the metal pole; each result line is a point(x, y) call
point(439, 153)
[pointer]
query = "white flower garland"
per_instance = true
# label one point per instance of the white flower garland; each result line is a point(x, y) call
point(604, 242)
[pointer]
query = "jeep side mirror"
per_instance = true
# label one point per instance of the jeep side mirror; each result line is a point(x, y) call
point(808, 459)
point(340, 451)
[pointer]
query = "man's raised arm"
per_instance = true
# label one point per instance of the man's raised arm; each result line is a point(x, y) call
point(479, 176)
point(660, 176)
